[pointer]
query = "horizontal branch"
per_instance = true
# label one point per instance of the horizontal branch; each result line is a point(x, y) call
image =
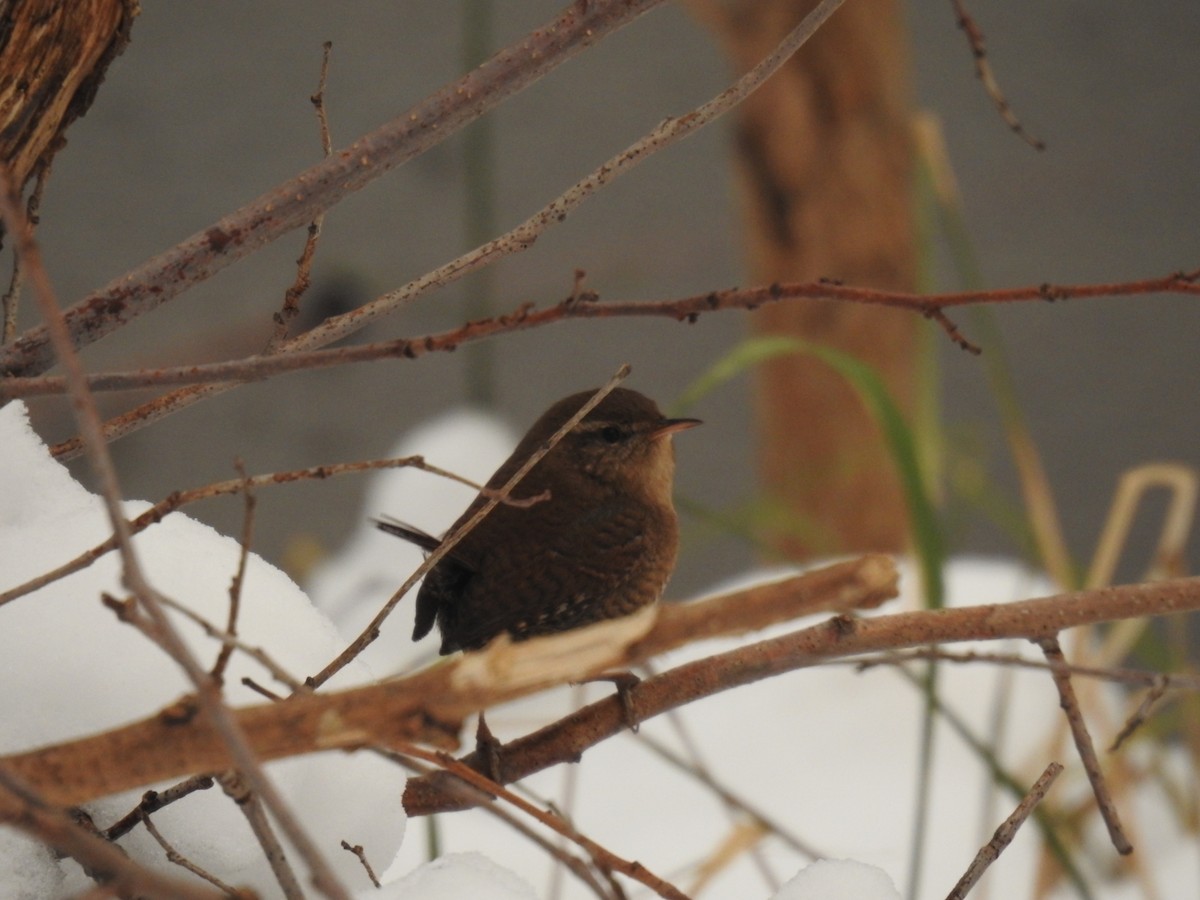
point(565, 740)
point(429, 705)
point(684, 309)
point(294, 203)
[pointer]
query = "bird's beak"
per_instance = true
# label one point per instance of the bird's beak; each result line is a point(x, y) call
point(670, 426)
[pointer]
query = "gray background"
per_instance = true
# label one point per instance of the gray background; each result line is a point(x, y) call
point(208, 107)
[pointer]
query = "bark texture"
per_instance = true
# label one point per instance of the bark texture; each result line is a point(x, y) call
point(823, 163)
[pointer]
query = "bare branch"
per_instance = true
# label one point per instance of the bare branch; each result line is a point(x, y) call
point(983, 69)
point(518, 239)
point(990, 851)
point(429, 705)
point(296, 201)
point(604, 858)
point(178, 499)
point(132, 576)
point(525, 317)
point(21, 808)
point(1084, 746)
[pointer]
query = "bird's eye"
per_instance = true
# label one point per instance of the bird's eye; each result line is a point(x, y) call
point(611, 434)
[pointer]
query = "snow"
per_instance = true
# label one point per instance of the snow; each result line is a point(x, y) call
point(829, 753)
point(839, 879)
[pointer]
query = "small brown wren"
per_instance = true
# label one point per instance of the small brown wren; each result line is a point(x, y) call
point(602, 546)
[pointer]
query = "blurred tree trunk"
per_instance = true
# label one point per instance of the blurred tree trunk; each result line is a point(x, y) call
point(824, 170)
point(53, 56)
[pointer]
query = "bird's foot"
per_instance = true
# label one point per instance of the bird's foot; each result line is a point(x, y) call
point(488, 746)
point(624, 682)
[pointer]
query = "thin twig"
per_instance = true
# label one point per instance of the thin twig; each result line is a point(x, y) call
point(357, 850)
point(23, 809)
point(153, 801)
point(525, 317)
point(1084, 746)
point(1134, 677)
point(983, 69)
point(601, 856)
point(296, 201)
point(239, 577)
point(1135, 721)
point(174, 856)
point(300, 284)
point(514, 241)
point(178, 499)
point(371, 632)
point(10, 303)
point(233, 642)
point(218, 715)
point(252, 808)
point(1005, 833)
point(578, 867)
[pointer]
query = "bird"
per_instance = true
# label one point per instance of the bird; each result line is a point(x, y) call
point(600, 544)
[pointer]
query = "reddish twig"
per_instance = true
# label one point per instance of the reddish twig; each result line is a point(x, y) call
point(1084, 745)
point(525, 317)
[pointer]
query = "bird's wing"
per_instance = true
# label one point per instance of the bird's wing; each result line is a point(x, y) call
point(575, 575)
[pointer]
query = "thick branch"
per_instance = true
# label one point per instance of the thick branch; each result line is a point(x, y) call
point(412, 708)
